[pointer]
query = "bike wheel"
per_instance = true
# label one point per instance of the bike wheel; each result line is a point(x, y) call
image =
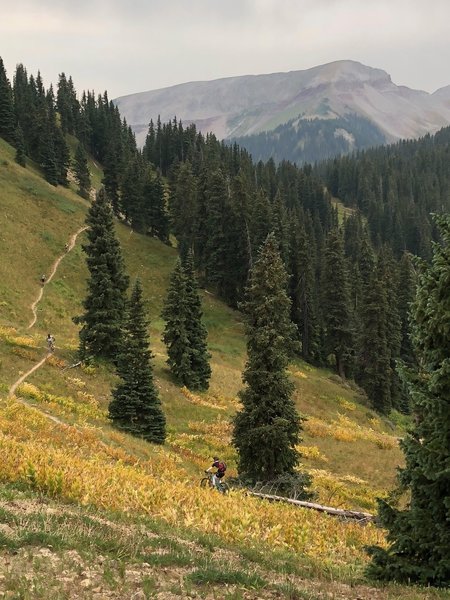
point(204, 482)
point(224, 488)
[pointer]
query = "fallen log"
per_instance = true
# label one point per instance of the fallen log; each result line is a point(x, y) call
point(338, 512)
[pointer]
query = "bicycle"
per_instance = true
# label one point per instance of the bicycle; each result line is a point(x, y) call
point(221, 486)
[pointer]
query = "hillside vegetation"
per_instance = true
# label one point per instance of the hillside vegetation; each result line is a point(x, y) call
point(89, 512)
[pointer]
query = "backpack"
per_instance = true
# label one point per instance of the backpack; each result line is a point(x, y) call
point(222, 466)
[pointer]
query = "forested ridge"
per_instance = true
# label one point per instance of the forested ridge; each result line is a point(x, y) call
point(350, 281)
point(396, 188)
point(304, 140)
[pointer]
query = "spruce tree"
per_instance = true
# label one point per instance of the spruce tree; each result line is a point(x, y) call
point(406, 290)
point(131, 195)
point(389, 270)
point(158, 218)
point(215, 250)
point(302, 289)
point(175, 335)
point(111, 176)
point(419, 535)
point(182, 208)
point(20, 147)
point(373, 359)
point(47, 153)
point(267, 429)
point(62, 154)
point(105, 301)
point(82, 174)
point(7, 126)
point(135, 406)
point(336, 303)
point(196, 331)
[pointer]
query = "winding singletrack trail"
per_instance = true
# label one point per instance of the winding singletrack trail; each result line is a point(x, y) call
point(16, 384)
point(70, 246)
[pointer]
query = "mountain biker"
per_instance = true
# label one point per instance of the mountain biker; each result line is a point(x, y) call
point(50, 342)
point(43, 279)
point(221, 467)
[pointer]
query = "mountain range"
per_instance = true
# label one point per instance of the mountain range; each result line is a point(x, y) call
point(298, 115)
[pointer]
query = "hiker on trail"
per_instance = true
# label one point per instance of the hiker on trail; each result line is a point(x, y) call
point(43, 279)
point(50, 342)
point(221, 467)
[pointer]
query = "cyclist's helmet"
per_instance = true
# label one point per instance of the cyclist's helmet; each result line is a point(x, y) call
point(215, 458)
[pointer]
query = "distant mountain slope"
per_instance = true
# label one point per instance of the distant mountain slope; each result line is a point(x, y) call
point(309, 140)
point(243, 106)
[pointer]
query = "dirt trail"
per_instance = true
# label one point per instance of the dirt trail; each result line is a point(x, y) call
point(71, 244)
point(15, 385)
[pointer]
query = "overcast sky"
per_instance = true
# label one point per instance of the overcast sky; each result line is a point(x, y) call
point(127, 46)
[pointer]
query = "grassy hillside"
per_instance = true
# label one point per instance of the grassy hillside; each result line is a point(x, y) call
point(95, 511)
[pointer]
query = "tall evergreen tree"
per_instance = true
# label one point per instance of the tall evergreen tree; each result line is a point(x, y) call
point(20, 147)
point(406, 290)
point(135, 406)
point(100, 335)
point(267, 429)
point(175, 335)
point(7, 125)
point(182, 208)
point(82, 174)
point(158, 218)
point(419, 535)
point(196, 331)
point(215, 250)
point(62, 156)
point(47, 156)
point(373, 359)
point(336, 303)
point(111, 175)
point(302, 289)
point(389, 271)
point(131, 195)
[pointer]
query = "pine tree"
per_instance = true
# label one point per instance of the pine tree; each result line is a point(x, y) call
point(175, 335)
point(135, 406)
point(302, 289)
point(20, 147)
point(267, 429)
point(406, 289)
point(47, 154)
point(373, 360)
point(105, 301)
point(419, 535)
point(131, 195)
point(182, 208)
point(62, 154)
point(7, 126)
point(216, 192)
point(336, 303)
point(111, 176)
point(196, 331)
point(82, 174)
point(158, 218)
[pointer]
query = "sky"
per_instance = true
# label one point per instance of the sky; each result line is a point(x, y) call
point(128, 46)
